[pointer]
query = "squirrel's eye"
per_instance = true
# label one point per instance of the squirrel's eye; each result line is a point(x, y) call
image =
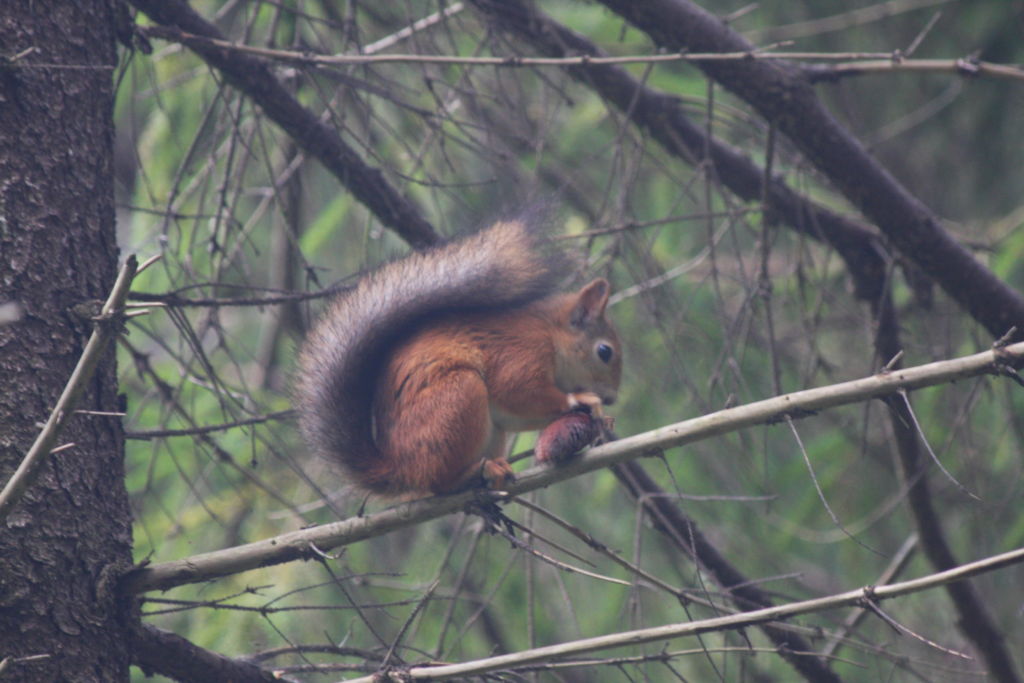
point(604, 352)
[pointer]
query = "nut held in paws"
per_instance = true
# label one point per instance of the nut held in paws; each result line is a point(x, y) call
point(566, 436)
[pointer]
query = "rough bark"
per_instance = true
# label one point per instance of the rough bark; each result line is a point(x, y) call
point(62, 545)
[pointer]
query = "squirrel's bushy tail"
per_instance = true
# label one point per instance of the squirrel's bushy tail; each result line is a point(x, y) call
point(506, 265)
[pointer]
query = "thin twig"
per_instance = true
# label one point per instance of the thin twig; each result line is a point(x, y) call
point(601, 548)
point(175, 300)
point(194, 431)
point(901, 629)
point(821, 494)
point(840, 22)
point(916, 43)
point(413, 28)
point(420, 604)
point(928, 447)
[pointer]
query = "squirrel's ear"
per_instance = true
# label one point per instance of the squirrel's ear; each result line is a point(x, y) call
point(590, 302)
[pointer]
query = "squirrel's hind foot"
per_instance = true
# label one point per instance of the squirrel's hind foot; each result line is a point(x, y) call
point(497, 473)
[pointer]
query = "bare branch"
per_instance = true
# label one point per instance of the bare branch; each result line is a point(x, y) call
point(856, 62)
point(163, 433)
point(965, 66)
point(158, 651)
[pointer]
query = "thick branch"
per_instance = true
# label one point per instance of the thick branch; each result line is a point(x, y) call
point(309, 543)
point(316, 138)
point(157, 651)
point(782, 94)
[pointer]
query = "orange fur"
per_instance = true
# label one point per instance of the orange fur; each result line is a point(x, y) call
point(451, 393)
point(414, 379)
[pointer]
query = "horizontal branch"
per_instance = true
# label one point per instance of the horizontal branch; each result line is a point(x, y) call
point(868, 595)
point(964, 67)
point(856, 61)
point(312, 59)
point(308, 544)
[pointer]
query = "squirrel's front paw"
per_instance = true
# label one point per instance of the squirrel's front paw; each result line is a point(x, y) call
point(498, 473)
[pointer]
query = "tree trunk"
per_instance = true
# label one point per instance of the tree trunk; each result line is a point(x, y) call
point(63, 544)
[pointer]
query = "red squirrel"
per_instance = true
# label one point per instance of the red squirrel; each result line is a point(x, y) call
point(414, 379)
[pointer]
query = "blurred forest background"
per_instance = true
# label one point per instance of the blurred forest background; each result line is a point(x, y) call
point(719, 303)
